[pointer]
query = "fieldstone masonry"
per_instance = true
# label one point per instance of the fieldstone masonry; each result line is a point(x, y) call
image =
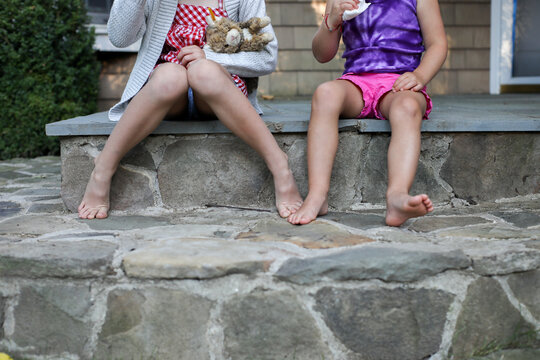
point(194, 171)
point(226, 283)
point(194, 263)
point(386, 323)
point(474, 148)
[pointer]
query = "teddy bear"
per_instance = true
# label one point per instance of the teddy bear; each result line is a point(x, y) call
point(226, 36)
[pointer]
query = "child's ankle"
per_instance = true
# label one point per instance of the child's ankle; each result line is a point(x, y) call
point(317, 195)
point(104, 170)
point(281, 164)
point(394, 193)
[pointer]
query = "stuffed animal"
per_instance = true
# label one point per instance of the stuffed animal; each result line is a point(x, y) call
point(226, 36)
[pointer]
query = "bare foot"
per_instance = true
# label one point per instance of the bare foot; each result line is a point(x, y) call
point(288, 199)
point(401, 207)
point(313, 206)
point(95, 202)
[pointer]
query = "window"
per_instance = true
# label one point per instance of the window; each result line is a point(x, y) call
point(515, 50)
point(98, 10)
point(526, 52)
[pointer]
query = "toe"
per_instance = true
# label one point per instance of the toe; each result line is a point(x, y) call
point(284, 212)
point(92, 214)
point(296, 219)
point(297, 206)
point(293, 208)
point(102, 213)
point(416, 200)
point(83, 213)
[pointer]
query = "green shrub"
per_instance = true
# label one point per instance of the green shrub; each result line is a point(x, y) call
point(48, 72)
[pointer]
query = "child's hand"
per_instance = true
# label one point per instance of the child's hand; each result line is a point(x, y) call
point(335, 10)
point(190, 54)
point(408, 81)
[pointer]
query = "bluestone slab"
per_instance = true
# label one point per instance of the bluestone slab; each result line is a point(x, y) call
point(478, 113)
point(387, 263)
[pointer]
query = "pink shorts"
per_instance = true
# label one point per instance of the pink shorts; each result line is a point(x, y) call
point(374, 86)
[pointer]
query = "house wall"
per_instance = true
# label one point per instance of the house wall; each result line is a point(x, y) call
point(466, 69)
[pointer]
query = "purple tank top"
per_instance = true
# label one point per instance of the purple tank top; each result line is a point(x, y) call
point(384, 38)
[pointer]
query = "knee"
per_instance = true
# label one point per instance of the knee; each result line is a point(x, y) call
point(169, 83)
point(206, 77)
point(327, 97)
point(407, 108)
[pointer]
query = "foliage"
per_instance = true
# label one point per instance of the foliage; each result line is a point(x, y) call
point(48, 72)
point(522, 338)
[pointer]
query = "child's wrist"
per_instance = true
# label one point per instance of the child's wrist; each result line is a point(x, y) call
point(329, 27)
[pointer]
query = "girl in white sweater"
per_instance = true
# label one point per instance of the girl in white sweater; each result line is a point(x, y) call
point(175, 76)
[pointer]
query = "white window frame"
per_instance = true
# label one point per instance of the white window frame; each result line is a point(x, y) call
point(502, 23)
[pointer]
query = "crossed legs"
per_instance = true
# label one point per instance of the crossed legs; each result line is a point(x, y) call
point(166, 94)
point(405, 110)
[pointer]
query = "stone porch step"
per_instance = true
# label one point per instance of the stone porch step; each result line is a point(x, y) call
point(464, 113)
point(475, 148)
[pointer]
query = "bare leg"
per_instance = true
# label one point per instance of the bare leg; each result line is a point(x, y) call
point(164, 93)
point(405, 110)
point(216, 93)
point(329, 101)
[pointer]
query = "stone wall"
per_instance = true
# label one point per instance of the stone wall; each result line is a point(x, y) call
point(178, 171)
point(465, 71)
point(372, 302)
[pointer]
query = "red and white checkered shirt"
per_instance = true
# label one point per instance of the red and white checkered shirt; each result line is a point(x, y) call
point(189, 28)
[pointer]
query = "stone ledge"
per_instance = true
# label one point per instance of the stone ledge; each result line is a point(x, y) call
point(463, 113)
point(180, 171)
point(193, 164)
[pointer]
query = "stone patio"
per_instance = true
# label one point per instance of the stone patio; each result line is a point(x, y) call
point(222, 282)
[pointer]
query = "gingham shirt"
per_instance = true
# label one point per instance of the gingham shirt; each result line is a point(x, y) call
point(189, 28)
point(151, 20)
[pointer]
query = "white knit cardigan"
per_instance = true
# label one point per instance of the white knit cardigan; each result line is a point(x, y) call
point(151, 19)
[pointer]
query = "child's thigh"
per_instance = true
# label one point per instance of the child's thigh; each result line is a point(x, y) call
point(403, 104)
point(208, 76)
point(354, 100)
point(232, 95)
point(210, 80)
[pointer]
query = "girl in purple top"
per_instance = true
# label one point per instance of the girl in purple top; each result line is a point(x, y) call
point(385, 77)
